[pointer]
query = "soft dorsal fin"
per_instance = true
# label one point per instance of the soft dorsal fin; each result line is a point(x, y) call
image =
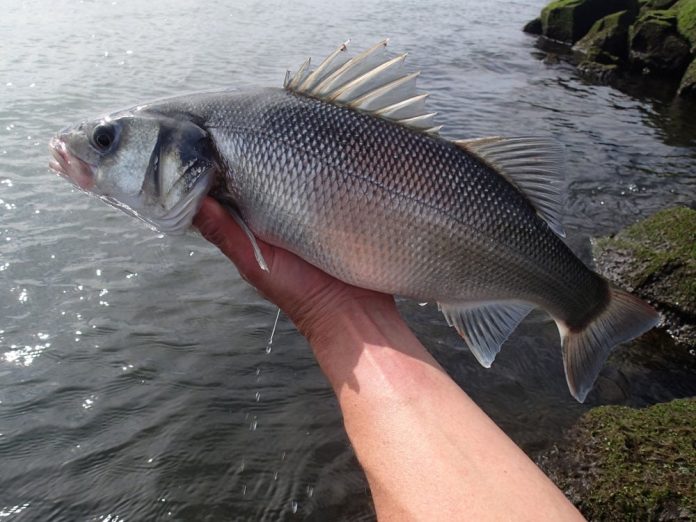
point(371, 81)
point(530, 164)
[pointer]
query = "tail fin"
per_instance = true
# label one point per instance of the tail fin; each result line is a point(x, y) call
point(586, 350)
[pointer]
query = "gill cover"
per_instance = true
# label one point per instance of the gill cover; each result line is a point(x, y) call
point(180, 172)
point(158, 168)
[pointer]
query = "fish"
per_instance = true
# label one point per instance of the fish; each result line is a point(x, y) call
point(345, 166)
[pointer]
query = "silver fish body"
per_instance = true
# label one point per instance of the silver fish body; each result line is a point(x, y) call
point(385, 207)
point(376, 203)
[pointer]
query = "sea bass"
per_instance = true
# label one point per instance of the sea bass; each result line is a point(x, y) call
point(345, 167)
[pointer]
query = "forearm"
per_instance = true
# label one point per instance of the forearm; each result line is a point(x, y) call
point(428, 451)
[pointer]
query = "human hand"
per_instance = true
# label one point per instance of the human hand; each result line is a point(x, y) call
point(403, 414)
point(312, 299)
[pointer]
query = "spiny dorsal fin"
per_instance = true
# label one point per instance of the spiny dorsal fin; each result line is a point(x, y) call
point(371, 82)
point(485, 326)
point(530, 164)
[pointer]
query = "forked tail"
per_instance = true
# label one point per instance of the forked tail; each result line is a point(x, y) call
point(585, 350)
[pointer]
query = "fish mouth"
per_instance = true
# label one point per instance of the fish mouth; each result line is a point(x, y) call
point(69, 166)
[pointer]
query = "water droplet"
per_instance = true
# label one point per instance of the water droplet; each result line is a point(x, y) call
point(294, 505)
point(98, 271)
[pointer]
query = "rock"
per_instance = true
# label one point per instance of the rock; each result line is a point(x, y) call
point(533, 26)
point(620, 463)
point(655, 45)
point(599, 72)
point(649, 5)
point(686, 20)
point(607, 40)
point(569, 20)
point(687, 86)
point(656, 259)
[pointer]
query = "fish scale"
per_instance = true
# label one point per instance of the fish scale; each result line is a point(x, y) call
point(300, 188)
point(345, 168)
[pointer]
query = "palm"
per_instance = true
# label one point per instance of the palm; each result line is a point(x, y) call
point(305, 293)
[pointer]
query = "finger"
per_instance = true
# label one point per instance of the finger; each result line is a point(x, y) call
point(218, 227)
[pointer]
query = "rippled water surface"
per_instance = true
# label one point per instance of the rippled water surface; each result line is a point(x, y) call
point(135, 378)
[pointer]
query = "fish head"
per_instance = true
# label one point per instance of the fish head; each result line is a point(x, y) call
point(152, 166)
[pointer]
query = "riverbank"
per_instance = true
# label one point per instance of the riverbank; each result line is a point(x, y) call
point(620, 463)
point(612, 39)
point(627, 463)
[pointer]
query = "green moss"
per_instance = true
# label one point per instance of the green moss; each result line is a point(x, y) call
point(607, 40)
point(569, 20)
point(661, 247)
point(655, 4)
point(642, 462)
point(664, 17)
point(686, 19)
point(557, 20)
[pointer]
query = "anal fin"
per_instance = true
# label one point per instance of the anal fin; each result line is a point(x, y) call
point(485, 326)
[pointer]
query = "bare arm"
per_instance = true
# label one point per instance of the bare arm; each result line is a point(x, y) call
point(428, 451)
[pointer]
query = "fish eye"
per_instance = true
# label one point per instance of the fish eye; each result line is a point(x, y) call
point(103, 137)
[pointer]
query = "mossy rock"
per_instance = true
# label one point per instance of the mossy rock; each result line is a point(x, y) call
point(569, 20)
point(620, 463)
point(655, 45)
point(648, 5)
point(656, 259)
point(607, 40)
point(533, 26)
point(599, 72)
point(686, 19)
point(687, 86)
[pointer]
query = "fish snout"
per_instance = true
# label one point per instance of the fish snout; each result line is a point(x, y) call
point(68, 165)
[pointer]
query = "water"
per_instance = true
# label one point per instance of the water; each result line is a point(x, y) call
point(135, 380)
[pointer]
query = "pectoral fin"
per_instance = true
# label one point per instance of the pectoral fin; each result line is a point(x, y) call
point(252, 239)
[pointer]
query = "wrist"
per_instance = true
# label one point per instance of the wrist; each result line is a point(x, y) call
point(367, 347)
